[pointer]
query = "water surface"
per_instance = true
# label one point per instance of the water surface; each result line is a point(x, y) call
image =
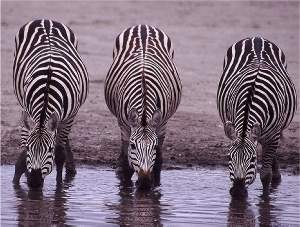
point(186, 197)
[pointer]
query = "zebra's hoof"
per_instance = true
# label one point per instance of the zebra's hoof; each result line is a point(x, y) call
point(276, 177)
point(71, 171)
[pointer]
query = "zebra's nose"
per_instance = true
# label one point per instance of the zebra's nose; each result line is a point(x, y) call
point(239, 182)
point(35, 179)
point(239, 188)
point(144, 173)
point(144, 180)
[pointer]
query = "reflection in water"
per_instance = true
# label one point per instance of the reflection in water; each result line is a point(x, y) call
point(35, 209)
point(137, 207)
point(266, 207)
point(240, 213)
point(94, 198)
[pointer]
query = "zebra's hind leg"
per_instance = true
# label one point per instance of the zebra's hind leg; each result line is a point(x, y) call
point(59, 161)
point(158, 163)
point(70, 164)
point(20, 167)
point(124, 171)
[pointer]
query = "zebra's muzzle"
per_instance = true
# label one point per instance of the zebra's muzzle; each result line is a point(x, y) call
point(239, 188)
point(35, 179)
point(144, 181)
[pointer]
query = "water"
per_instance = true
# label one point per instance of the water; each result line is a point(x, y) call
point(186, 197)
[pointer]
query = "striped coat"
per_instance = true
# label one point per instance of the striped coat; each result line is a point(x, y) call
point(142, 89)
point(256, 101)
point(51, 83)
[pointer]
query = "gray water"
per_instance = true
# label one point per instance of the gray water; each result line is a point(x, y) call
point(186, 197)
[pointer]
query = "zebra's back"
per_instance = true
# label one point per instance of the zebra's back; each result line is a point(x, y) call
point(143, 75)
point(255, 88)
point(49, 75)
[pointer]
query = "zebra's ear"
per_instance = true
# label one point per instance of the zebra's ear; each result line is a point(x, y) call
point(26, 120)
point(229, 130)
point(52, 124)
point(133, 117)
point(156, 119)
point(255, 132)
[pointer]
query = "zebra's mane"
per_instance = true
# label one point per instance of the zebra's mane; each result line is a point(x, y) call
point(257, 51)
point(143, 40)
point(47, 88)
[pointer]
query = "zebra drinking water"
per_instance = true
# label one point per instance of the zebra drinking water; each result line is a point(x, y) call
point(256, 100)
point(143, 91)
point(51, 83)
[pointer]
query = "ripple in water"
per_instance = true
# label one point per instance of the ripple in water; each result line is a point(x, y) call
point(192, 196)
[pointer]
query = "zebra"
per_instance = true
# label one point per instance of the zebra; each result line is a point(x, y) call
point(51, 83)
point(142, 90)
point(256, 100)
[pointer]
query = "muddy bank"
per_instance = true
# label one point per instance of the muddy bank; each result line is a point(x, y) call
point(192, 139)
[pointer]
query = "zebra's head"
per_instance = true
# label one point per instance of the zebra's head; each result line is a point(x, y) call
point(39, 145)
point(242, 158)
point(143, 144)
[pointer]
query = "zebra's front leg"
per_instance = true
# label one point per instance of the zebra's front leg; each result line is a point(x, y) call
point(158, 163)
point(59, 161)
point(276, 176)
point(70, 164)
point(266, 175)
point(124, 171)
point(20, 167)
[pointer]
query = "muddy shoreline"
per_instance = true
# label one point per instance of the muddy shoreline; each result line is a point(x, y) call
point(191, 140)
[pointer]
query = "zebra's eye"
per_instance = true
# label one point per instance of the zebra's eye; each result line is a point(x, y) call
point(253, 159)
point(132, 146)
point(155, 147)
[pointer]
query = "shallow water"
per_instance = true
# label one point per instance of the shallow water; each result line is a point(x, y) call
point(197, 197)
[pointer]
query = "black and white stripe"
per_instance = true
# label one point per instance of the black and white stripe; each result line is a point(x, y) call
point(143, 91)
point(256, 101)
point(51, 83)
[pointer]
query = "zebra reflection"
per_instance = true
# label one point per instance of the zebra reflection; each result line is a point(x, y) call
point(137, 208)
point(36, 209)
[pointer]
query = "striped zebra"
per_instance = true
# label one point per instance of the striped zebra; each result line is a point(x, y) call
point(51, 83)
point(256, 100)
point(143, 91)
